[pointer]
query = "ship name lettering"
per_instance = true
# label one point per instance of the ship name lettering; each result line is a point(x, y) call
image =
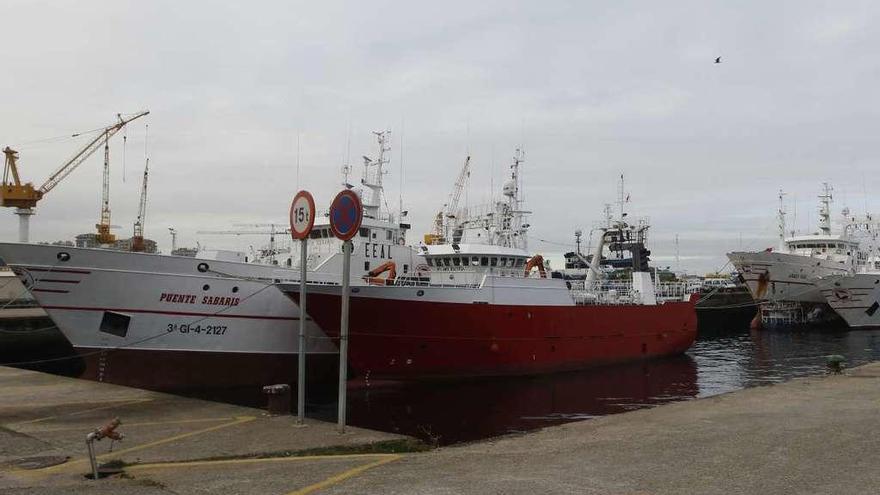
point(373, 250)
point(220, 301)
point(170, 297)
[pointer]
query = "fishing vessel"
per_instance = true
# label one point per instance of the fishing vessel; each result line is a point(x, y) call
point(782, 278)
point(855, 298)
point(486, 306)
point(175, 322)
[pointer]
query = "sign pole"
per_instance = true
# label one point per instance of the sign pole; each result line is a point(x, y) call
point(301, 375)
point(302, 220)
point(343, 334)
point(346, 214)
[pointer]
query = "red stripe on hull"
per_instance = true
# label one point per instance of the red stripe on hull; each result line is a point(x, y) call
point(416, 339)
point(170, 371)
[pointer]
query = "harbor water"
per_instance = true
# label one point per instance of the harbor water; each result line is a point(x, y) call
point(717, 363)
point(469, 410)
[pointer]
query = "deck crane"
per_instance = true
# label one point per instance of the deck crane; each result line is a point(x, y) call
point(450, 210)
point(24, 197)
point(137, 240)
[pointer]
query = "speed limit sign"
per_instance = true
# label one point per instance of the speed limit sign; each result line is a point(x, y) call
point(302, 215)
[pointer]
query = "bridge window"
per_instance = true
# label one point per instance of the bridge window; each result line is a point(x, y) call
point(456, 261)
point(484, 261)
point(494, 261)
point(475, 261)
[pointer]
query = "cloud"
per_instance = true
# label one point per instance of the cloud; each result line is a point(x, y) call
point(590, 90)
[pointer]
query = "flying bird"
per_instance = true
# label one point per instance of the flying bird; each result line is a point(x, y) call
point(718, 60)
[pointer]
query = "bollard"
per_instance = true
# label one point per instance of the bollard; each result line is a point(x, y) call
point(279, 398)
point(106, 431)
point(836, 363)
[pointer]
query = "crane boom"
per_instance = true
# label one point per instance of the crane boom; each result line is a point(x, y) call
point(459, 187)
point(137, 240)
point(87, 151)
point(439, 235)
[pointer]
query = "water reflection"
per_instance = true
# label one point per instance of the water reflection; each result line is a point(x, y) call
point(475, 409)
point(718, 362)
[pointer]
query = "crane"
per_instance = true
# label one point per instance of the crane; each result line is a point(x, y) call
point(450, 210)
point(24, 197)
point(137, 240)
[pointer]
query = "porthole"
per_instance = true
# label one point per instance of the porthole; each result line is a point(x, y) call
point(206, 287)
point(420, 293)
point(235, 289)
point(63, 256)
point(202, 267)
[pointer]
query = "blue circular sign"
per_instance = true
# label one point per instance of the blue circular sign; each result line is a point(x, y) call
point(346, 213)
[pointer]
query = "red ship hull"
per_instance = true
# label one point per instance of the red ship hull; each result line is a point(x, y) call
point(420, 339)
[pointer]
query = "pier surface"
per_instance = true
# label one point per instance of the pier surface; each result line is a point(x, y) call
point(814, 435)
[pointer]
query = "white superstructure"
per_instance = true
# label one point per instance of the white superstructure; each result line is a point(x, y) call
point(787, 273)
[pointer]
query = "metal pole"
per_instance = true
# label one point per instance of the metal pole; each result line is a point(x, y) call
point(92, 458)
point(301, 375)
point(343, 333)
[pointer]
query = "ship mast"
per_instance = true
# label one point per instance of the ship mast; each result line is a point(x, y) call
point(373, 172)
point(781, 220)
point(511, 231)
point(825, 209)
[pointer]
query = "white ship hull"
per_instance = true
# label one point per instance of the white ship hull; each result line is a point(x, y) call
point(779, 277)
point(855, 298)
point(134, 315)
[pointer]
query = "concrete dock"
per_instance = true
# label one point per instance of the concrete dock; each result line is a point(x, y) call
point(193, 445)
point(816, 435)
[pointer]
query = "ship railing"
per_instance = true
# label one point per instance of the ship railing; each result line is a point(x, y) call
point(604, 293)
point(406, 281)
point(622, 292)
point(675, 291)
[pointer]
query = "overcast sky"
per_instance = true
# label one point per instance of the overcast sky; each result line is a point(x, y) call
point(589, 89)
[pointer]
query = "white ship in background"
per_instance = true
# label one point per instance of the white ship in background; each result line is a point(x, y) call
point(856, 298)
point(783, 279)
point(166, 322)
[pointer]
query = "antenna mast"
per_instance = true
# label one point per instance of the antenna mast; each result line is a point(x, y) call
point(373, 181)
point(825, 209)
point(781, 220)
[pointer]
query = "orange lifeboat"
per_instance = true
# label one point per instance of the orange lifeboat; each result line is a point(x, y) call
point(536, 261)
point(389, 267)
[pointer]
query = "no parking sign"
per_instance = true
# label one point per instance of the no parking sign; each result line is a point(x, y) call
point(346, 214)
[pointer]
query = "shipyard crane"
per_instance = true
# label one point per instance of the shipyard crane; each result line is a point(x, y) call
point(24, 197)
point(450, 210)
point(137, 240)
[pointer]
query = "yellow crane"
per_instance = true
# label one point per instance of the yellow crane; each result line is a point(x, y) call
point(24, 197)
point(449, 214)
